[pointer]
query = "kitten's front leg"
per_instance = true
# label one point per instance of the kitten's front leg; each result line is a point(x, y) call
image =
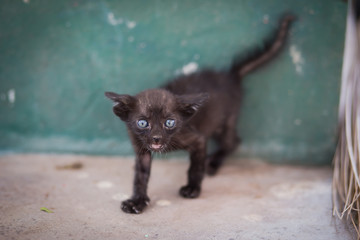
point(139, 200)
point(196, 171)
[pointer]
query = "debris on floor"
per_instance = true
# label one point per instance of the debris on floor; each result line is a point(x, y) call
point(247, 200)
point(72, 166)
point(44, 209)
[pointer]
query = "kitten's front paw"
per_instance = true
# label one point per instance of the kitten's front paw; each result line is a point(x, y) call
point(190, 191)
point(135, 206)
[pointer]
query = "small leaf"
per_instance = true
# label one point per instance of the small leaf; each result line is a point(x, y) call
point(44, 209)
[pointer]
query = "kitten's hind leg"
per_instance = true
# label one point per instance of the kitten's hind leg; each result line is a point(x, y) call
point(228, 140)
point(216, 159)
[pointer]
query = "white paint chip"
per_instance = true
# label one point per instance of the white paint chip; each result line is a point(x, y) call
point(190, 68)
point(120, 197)
point(112, 20)
point(130, 24)
point(26, 1)
point(104, 184)
point(11, 96)
point(163, 203)
point(297, 59)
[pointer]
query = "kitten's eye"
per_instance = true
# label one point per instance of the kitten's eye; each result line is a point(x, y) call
point(170, 123)
point(142, 124)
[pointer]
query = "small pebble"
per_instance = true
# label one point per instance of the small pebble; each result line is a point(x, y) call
point(71, 166)
point(104, 184)
point(120, 197)
point(163, 203)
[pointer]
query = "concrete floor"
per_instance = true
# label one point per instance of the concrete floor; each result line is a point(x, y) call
point(246, 200)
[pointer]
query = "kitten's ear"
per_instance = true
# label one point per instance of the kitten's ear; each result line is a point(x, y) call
point(188, 105)
point(123, 104)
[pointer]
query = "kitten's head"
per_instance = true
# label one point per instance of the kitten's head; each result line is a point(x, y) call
point(154, 116)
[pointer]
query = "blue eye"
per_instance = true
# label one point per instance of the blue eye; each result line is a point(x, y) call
point(170, 123)
point(142, 124)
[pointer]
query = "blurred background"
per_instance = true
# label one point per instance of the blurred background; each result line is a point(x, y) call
point(58, 57)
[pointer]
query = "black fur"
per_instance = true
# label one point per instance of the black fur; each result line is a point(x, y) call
point(185, 114)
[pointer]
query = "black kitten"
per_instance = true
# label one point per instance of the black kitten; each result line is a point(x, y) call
point(185, 114)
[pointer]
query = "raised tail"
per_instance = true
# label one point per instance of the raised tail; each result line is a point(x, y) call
point(259, 56)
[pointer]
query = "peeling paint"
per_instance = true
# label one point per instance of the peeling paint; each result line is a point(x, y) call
point(130, 24)
point(297, 59)
point(11, 96)
point(112, 20)
point(190, 68)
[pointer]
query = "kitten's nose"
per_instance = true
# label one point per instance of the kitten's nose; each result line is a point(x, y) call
point(156, 139)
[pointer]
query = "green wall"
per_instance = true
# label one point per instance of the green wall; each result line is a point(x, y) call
point(58, 57)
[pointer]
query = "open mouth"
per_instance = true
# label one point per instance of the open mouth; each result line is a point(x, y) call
point(156, 147)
